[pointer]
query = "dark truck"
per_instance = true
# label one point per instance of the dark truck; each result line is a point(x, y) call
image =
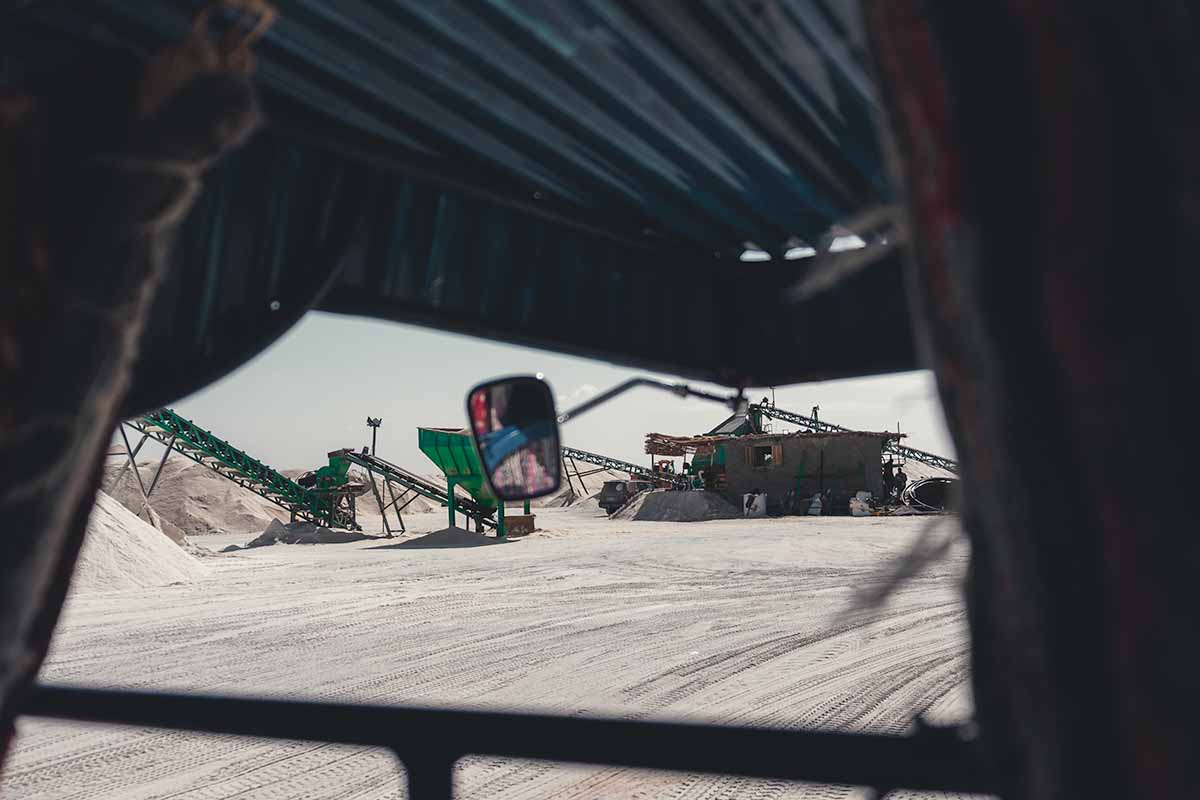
point(615, 494)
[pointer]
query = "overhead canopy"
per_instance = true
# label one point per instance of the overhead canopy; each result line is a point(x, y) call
point(579, 176)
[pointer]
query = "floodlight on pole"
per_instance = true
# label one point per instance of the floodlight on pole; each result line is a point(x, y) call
point(373, 423)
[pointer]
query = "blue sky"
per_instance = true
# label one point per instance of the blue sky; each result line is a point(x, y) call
point(312, 390)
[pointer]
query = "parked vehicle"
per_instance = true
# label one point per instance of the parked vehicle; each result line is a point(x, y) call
point(615, 494)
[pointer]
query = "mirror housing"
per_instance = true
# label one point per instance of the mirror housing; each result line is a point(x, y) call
point(515, 427)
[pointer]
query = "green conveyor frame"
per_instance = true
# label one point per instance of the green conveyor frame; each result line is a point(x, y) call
point(453, 450)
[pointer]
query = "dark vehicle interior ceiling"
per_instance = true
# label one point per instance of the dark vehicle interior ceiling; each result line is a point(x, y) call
point(581, 177)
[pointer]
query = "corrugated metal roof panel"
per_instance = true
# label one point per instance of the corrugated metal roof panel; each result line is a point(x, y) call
point(576, 176)
point(601, 104)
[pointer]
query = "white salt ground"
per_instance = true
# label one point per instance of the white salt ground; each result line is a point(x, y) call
point(740, 622)
point(122, 551)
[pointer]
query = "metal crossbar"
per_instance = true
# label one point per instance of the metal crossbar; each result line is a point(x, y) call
point(892, 446)
point(572, 473)
point(430, 741)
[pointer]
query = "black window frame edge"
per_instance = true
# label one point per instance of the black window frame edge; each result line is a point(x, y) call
point(430, 741)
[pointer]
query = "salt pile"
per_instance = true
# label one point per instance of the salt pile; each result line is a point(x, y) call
point(573, 501)
point(560, 500)
point(194, 499)
point(449, 537)
point(122, 551)
point(587, 507)
point(665, 505)
point(303, 533)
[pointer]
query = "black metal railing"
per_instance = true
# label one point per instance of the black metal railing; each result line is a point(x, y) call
point(430, 741)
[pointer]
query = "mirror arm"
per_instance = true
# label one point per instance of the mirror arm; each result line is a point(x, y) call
point(678, 389)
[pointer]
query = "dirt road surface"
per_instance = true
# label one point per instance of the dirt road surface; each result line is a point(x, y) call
point(732, 621)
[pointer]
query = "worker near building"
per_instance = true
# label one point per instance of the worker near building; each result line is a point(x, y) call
point(889, 478)
point(901, 482)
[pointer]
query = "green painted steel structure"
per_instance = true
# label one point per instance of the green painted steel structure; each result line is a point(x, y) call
point(218, 455)
point(453, 450)
point(482, 512)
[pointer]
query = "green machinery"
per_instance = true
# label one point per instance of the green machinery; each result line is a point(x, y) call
point(328, 501)
point(334, 474)
point(327, 495)
point(453, 450)
point(402, 487)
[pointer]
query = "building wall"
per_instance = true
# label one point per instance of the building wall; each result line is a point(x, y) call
point(851, 464)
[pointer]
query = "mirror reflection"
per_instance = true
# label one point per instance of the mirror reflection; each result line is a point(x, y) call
point(513, 421)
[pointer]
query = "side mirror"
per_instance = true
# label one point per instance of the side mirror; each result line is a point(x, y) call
point(515, 427)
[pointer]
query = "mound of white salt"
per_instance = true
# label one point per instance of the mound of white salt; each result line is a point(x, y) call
point(663, 505)
point(193, 498)
point(587, 507)
point(122, 551)
point(446, 538)
point(303, 533)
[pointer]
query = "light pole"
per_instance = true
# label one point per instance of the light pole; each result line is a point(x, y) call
point(373, 423)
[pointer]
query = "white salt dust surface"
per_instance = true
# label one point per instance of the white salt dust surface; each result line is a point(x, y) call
point(731, 621)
